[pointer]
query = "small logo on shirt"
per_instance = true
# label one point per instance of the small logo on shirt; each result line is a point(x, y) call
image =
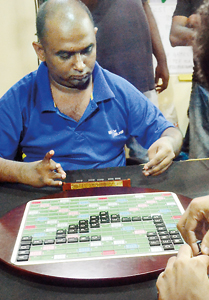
point(115, 133)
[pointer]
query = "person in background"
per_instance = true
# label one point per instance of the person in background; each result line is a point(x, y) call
point(74, 111)
point(186, 276)
point(184, 22)
point(127, 39)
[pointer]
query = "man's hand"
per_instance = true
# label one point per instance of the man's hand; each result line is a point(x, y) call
point(161, 155)
point(43, 172)
point(185, 277)
point(162, 152)
point(161, 77)
point(194, 224)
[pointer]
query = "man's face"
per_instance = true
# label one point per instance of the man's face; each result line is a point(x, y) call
point(70, 52)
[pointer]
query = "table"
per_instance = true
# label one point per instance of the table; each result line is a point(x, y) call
point(189, 178)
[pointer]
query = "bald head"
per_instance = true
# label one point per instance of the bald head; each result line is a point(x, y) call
point(67, 43)
point(68, 13)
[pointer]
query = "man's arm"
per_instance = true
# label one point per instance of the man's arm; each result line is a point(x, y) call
point(162, 152)
point(38, 173)
point(161, 71)
point(185, 277)
point(182, 30)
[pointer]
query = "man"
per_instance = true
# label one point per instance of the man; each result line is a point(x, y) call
point(74, 111)
point(127, 39)
point(183, 25)
point(186, 276)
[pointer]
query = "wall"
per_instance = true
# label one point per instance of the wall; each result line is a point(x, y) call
point(179, 93)
point(17, 57)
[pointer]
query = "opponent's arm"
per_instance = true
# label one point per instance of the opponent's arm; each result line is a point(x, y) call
point(37, 174)
point(185, 277)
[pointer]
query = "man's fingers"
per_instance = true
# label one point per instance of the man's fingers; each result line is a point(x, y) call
point(57, 175)
point(156, 170)
point(52, 172)
point(160, 88)
point(153, 163)
point(53, 166)
point(161, 157)
point(60, 171)
point(48, 155)
point(53, 182)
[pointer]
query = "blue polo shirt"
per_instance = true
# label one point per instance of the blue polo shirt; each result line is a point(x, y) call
point(117, 111)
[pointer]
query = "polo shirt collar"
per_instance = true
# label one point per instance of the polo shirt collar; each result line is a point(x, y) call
point(101, 90)
point(46, 101)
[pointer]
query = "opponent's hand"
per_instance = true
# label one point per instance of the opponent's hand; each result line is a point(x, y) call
point(161, 155)
point(194, 224)
point(185, 277)
point(43, 172)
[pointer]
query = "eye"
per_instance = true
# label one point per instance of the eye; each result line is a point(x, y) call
point(64, 55)
point(87, 50)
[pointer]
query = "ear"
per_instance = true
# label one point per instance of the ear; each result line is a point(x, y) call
point(39, 50)
point(95, 30)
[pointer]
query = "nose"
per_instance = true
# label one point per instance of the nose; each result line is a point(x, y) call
point(79, 65)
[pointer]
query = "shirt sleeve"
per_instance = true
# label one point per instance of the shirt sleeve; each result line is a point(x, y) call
point(145, 121)
point(11, 124)
point(186, 7)
point(148, 125)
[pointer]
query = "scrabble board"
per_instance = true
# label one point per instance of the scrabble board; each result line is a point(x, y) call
point(98, 227)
